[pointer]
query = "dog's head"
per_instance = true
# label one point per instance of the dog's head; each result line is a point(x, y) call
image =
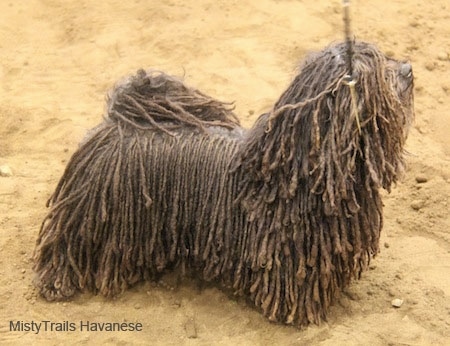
point(382, 84)
point(331, 127)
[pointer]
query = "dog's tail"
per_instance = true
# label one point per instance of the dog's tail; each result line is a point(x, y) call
point(155, 100)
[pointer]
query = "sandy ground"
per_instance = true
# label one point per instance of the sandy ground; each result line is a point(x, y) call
point(59, 58)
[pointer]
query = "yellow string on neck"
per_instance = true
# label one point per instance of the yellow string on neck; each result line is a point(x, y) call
point(351, 83)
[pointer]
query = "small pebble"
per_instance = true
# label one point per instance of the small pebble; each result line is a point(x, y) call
point(421, 179)
point(396, 303)
point(137, 306)
point(386, 245)
point(443, 56)
point(417, 204)
point(23, 271)
point(5, 171)
point(430, 66)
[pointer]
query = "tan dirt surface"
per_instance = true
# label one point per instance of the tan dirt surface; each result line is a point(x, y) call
point(58, 59)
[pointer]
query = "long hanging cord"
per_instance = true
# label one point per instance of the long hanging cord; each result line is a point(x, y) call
point(349, 78)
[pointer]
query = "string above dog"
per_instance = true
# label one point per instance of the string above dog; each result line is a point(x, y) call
point(349, 78)
point(348, 40)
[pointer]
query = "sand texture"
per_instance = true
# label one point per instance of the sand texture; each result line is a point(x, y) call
point(58, 59)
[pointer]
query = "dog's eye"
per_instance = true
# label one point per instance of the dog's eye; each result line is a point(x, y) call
point(406, 70)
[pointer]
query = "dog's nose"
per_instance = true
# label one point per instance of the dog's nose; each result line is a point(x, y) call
point(406, 70)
